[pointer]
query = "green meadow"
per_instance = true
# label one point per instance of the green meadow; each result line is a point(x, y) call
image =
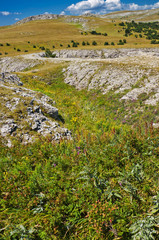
point(102, 184)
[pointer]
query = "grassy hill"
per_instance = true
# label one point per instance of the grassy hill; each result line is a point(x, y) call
point(58, 33)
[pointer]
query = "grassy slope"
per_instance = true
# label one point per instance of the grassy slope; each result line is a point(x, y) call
point(94, 187)
point(55, 32)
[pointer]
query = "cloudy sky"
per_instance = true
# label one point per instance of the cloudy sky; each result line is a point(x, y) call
point(12, 11)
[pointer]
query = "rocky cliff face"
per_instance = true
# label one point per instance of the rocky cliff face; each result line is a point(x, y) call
point(26, 114)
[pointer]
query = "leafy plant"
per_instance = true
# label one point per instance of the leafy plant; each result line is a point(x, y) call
point(22, 233)
point(144, 229)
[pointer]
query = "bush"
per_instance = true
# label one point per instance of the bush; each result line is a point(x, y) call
point(88, 43)
point(83, 43)
point(34, 46)
point(74, 44)
point(6, 53)
point(53, 46)
point(0, 53)
point(106, 43)
point(94, 43)
point(42, 48)
point(18, 50)
point(28, 42)
point(14, 48)
point(26, 51)
point(112, 43)
point(68, 46)
point(48, 53)
point(7, 44)
point(120, 42)
point(61, 45)
point(124, 40)
point(154, 41)
point(1, 44)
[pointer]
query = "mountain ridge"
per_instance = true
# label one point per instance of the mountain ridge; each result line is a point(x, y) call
point(138, 15)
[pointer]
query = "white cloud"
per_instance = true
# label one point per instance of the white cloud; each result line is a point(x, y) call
point(47, 13)
point(156, 5)
point(86, 5)
point(105, 6)
point(16, 19)
point(62, 13)
point(5, 13)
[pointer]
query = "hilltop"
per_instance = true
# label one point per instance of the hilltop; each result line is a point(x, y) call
point(143, 15)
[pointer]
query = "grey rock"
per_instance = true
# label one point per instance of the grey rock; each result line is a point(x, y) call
point(8, 127)
point(31, 109)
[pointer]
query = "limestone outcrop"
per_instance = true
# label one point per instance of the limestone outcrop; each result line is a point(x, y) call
point(26, 114)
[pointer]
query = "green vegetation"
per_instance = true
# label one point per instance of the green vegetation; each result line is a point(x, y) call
point(48, 53)
point(101, 185)
point(149, 30)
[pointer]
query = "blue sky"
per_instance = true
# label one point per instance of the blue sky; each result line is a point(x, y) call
point(14, 10)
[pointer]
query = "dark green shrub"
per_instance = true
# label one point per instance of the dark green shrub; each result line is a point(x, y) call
point(124, 40)
point(122, 24)
point(34, 46)
point(42, 48)
point(7, 44)
point(61, 45)
point(14, 48)
point(28, 42)
point(18, 50)
point(112, 43)
point(1, 44)
point(6, 53)
point(88, 43)
point(26, 51)
point(68, 46)
point(106, 43)
point(83, 43)
point(94, 43)
point(48, 53)
point(74, 44)
point(120, 42)
point(0, 53)
point(53, 46)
